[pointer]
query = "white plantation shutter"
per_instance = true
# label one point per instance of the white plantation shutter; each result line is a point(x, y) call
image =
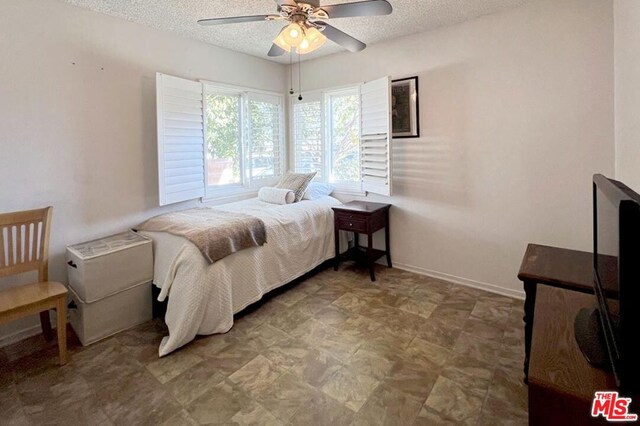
point(265, 133)
point(180, 139)
point(308, 145)
point(375, 136)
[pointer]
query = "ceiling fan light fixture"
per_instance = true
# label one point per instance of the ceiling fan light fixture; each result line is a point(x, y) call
point(313, 40)
point(293, 34)
point(281, 43)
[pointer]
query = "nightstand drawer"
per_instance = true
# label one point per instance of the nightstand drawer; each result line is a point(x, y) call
point(356, 224)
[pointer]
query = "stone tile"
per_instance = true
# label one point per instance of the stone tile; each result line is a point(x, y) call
point(11, 408)
point(430, 355)
point(290, 298)
point(316, 368)
point(288, 393)
point(312, 304)
point(52, 390)
point(262, 337)
point(350, 388)
point(504, 412)
point(322, 410)
point(143, 341)
point(288, 353)
point(209, 346)
point(451, 401)
point(450, 314)
point(256, 376)
point(430, 417)
point(440, 332)
point(172, 365)
point(359, 326)
point(474, 379)
point(388, 406)
point(492, 313)
point(288, 320)
point(142, 402)
point(507, 385)
point(382, 349)
point(254, 414)
point(182, 418)
point(411, 378)
point(195, 381)
point(219, 405)
point(471, 353)
point(417, 307)
point(370, 364)
point(483, 330)
point(332, 316)
point(86, 409)
point(232, 358)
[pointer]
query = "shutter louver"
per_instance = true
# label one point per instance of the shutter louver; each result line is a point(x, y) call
point(375, 136)
point(180, 139)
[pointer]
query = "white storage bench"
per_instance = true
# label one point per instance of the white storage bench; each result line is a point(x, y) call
point(110, 283)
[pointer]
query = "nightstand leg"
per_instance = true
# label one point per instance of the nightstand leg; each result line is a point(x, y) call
point(387, 244)
point(336, 259)
point(370, 256)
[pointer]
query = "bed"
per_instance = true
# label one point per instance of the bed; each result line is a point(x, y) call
point(202, 297)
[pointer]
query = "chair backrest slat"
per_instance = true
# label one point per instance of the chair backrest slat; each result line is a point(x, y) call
point(24, 242)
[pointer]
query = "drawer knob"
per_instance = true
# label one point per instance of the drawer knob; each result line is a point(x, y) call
point(350, 224)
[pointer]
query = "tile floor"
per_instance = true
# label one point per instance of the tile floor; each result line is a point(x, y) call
point(333, 349)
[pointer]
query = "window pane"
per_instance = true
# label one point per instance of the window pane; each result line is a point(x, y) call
point(265, 139)
point(345, 137)
point(223, 139)
point(307, 134)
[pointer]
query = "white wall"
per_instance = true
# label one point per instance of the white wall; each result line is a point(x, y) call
point(77, 108)
point(627, 91)
point(516, 116)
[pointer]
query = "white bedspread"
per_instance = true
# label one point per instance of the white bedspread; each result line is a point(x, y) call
point(204, 297)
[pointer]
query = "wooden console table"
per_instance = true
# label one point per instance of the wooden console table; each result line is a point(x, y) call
point(555, 267)
point(561, 381)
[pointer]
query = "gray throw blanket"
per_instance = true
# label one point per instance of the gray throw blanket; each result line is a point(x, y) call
point(216, 233)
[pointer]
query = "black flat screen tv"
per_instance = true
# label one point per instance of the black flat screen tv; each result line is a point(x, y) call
point(609, 334)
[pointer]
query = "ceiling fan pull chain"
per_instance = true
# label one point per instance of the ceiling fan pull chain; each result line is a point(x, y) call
point(291, 71)
point(299, 78)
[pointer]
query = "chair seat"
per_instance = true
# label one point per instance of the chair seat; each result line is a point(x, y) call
point(24, 296)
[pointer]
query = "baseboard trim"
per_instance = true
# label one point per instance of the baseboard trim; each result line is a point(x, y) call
point(20, 335)
point(517, 294)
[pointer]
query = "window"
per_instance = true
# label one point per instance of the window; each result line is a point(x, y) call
point(244, 139)
point(326, 137)
point(343, 127)
point(307, 136)
point(223, 138)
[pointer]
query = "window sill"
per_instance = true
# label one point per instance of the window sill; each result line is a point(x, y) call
point(229, 195)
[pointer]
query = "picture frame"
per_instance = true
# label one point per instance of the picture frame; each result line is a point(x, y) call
point(405, 111)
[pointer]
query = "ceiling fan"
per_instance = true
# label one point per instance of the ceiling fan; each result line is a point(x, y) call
point(307, 30)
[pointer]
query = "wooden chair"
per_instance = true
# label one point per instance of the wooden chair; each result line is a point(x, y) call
point(24, 247)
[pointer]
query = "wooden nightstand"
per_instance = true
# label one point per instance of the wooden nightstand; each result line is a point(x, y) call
point(361, 217)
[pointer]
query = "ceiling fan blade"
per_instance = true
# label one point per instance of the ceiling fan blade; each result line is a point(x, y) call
point(238, 19)
point(361, 8)
point(276, 50)
point(341, 38)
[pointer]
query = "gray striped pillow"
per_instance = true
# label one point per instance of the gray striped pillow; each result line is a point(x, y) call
point(296, 182)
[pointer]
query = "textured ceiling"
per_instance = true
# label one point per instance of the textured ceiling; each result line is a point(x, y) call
point(180, 16)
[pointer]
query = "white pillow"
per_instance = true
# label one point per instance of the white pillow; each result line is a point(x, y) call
point(276, 195)
point(317, 190)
